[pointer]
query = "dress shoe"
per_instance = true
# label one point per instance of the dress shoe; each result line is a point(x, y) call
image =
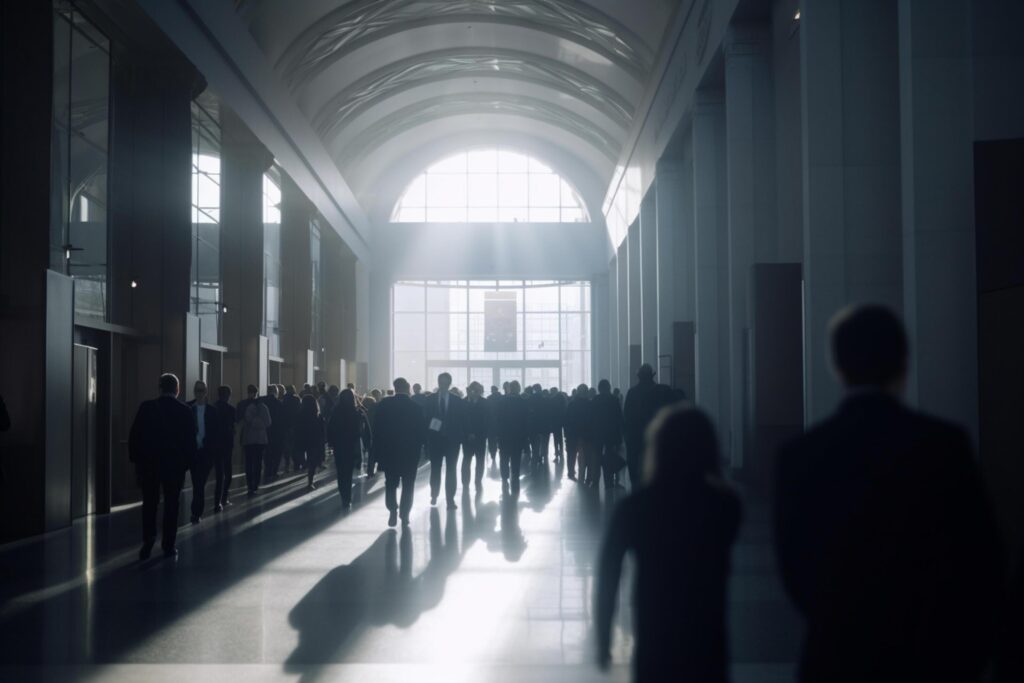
point(452, 505)
point(196, 519)
point(218, 507)
point(393, 518)
point(405, 520)
point(433, 500)
point(146, 550)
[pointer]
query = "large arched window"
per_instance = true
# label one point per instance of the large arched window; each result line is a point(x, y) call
point(489, 186)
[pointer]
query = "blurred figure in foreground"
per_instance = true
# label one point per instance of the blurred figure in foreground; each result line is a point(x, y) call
point(680, 527)
point(883, 531)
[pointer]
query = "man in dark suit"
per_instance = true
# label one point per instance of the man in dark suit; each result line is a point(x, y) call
point(207, 433)
point(225, 446)
point(643, 401)
point(275, 433)
point(606, 432)
point(884, 535)
point(397, 447)
point(162, 444)
point(444, 413)
point(514, 433)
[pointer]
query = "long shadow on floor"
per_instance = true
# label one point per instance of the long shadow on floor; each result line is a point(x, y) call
point(103, 620)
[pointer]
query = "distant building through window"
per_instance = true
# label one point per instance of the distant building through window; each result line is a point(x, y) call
point(490, 186)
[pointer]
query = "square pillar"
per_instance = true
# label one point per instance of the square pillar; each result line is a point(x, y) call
point(296, 283)
point(622, 343)
point(851, 168)
point(634, 329)
point(649, 283)
point(710, 258)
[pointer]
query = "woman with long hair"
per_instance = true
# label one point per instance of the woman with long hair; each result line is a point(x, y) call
point(680, 527)
point(309, 436)
point(348, 424)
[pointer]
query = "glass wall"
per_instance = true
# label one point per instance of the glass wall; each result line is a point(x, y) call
point(81, 117)
point(205, 292)
point(316, 334)
point(534, 331)
point(272, 259)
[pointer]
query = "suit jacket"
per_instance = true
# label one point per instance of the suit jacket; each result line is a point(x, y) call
point(453, 422)
point(643, 401)
point(211, 426)
point(887, 546)
point(476, 419)
point(398, 429)
point(226, 419)
point(606, 420)
point(162, 441)
point(513, 420)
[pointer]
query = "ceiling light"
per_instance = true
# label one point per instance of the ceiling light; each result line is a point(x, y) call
point(135, 284)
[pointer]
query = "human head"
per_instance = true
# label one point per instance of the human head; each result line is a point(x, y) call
point(224, 393)
point(583, 390)
point(604, 386)
point(504, 387)
point(553, 391)
point(869, 348)
point(475, 389)
point(199, 391)
point(168, 384)
point(444, 381)
point(280, 390)
point(291, 389)
point(321, 387)
point(681, 446)
point(272, 390)
point(347, 398)
point(401, 385)
point(351, 387)
point(513, 387)
point(333, 391)
point(537, 388)
point(417, 389)
point(310, 405)
point(376, 393)
point(645, 372)
point(252, 391)
point(495, 390)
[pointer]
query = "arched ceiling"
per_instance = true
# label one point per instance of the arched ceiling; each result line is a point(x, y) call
point(368, 73)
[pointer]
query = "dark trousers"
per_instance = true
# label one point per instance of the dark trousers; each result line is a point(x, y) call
point(153, 486)
point(512, 461)
point(447, 454)
point(473, 449)
point(345, 459)
point(272, 458)
point(492, 446)
point(253, 465)
point(222, 470)
point(200, 473)
point(559, 444)
point(603, 455)
point(633, 458)
point(573, 447)
point(406, 476)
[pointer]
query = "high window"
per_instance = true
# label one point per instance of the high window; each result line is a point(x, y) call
point(533, 331)
point(81, 118)
point(272, 260)
point(489, 186)
point(206, 301)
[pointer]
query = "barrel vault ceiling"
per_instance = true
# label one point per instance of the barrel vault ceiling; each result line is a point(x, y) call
point(380, 79)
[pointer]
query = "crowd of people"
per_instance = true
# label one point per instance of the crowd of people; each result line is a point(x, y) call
point(884, 537)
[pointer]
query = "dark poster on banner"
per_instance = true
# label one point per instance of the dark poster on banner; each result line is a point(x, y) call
point(499, 321)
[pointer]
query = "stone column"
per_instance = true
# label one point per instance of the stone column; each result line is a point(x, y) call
point(750, 189)
point(613, 322)
point(940, 300)
point(649, 282)
point(710, 288)
point(600, 305)
point(635, 304)
point(622, 342)
point(851, 167)
point(243, 163)
point(296, 283)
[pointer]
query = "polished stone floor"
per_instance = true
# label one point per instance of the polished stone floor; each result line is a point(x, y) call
point(286, 587)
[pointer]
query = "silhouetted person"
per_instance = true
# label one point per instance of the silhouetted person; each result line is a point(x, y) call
point(643, 401)
point(289, 413)
point(344, 430)
point(418, 397)
point(162, 444)
point(275, 433)
point(474, 445)
point(225, 445)
point(680, 528)
point(255, 418)
point(513, 430)
point(207, 435)
point(883, 531)
point(537, 420)
point(557, 404)
point(577, 424)
point(370, 405)
point(444, 413)
point(606, 433)
point(398, 437)
point(492, 403)
point(310, 435)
